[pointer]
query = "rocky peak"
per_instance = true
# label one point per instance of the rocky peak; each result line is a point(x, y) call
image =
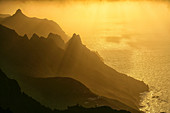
point(25, 37)
point(75, 40)
point(52, 36)
point(57, 39)
point(19, 13)
point(34, 37)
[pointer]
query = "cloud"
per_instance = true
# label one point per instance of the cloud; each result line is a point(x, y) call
point(117, 39)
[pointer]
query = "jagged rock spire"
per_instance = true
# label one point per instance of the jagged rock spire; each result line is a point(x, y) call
point(75, 39)
point(34, 37)
point(19, 12)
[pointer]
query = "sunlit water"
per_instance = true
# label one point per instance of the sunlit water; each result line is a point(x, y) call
point(132, 37)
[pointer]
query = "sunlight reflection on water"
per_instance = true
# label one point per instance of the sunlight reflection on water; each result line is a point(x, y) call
point(132, 37)
point(153, 68)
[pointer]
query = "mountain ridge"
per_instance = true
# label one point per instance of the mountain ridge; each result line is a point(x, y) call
point(67, 92)
point(78, 62)
point(42, 27)
point(12, 100)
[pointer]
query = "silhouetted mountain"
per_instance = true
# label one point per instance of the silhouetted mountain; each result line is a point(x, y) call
point(4, 15)
point(41, 57)
point(103, 109)
point(37, 57)
point(5, 110)
point(57, 39)
point(60, 92)
point(86, 66)
point(12, 100)
point(26, 25)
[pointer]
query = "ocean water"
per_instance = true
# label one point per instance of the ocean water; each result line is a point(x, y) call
point(150, 65)
point(132, 37)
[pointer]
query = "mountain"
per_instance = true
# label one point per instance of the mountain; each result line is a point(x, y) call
point(60, 92)
point(86, 66)
point(12, 100)
point(37, 56)
point(26, 25)
point(5, 110)
point(2, 16)
point(57, 39)
point(41, 57)
point(24, 57)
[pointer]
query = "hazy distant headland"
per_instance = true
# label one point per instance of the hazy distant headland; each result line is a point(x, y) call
point(59, 71)
point(25, 25)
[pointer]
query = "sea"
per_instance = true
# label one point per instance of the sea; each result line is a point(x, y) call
point(132, 37)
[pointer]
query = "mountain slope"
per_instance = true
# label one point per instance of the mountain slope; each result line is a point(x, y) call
point(26, 25)
point(37, 56)
point(40, 57)
point(23, 57)
point(60, 92)
point(86, 66)
point(12, 100)
point(2, 16)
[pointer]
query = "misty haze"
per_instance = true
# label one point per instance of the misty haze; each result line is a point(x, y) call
point(85, 56)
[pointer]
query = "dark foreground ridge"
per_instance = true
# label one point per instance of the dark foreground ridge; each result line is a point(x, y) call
point(12, 100)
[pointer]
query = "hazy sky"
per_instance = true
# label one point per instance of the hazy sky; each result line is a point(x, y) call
point(83, 0)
